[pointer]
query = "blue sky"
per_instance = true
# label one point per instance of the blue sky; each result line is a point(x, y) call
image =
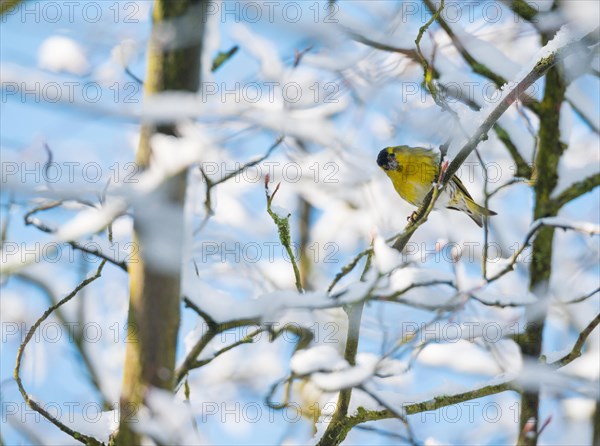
point(80, 133)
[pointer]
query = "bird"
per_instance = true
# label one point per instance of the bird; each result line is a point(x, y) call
point(412, 171)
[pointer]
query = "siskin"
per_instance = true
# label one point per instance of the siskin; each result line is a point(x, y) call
point(413, 170)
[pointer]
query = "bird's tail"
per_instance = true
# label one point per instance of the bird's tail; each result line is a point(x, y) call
point(477, 212)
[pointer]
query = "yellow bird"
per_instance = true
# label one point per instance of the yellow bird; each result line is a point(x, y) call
point(413, 170)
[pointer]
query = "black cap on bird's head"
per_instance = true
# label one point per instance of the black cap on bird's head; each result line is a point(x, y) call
point(387, 159)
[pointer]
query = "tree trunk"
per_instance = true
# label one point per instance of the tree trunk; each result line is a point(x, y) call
point(154, 305)
point(550, 150)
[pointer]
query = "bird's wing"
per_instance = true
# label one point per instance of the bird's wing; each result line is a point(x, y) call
point(461, 186)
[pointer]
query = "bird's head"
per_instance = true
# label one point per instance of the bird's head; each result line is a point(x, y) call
point(387, 159)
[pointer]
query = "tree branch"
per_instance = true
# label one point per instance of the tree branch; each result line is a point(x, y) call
point(191, 359)
point(29, 220)
point(591, 123)
point(576, 190)
point(283, 229)
point(523, 9)
point(364, 415)
point(582, 298)
point(475, 65)
point(576, 350)
point(78, 340)
point(32, 403)
point(335, 434)
point(539, 224)
point(210, 184)
point(248, 339)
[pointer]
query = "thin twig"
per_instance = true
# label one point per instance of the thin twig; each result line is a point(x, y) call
point(133, 76)
point(576, 190)
point(32, 403)
point(283, 229)
point(191, 358)
point(77, 338)
point(210, 184)
point(576, 350)
point(248, 339)
point(528, 238)
point(475, 65)
point(486, 204)
point(582, 298)
point(29, 220)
